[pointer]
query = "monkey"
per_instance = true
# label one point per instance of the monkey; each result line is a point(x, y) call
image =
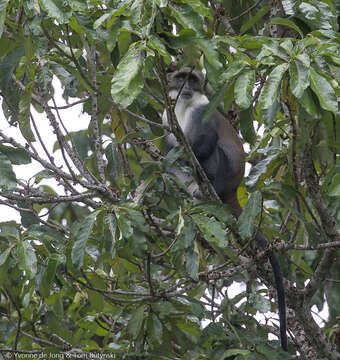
point(219, 150)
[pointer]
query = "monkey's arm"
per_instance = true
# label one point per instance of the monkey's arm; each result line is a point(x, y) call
point(203, 137)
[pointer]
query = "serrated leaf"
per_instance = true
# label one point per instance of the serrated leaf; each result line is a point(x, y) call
point(27, 258)
point(81, 237)
point(244, 87)
point(299, 81)
point(7, 175)
point(127, 81)
point(251, 210)
point(135, 323)
point(269, 90)
point(324, 91)
point(56, 9)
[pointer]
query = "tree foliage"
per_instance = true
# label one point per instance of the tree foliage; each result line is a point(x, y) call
point(116, 257)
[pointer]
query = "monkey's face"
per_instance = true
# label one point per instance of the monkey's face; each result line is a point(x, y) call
point(185, 82)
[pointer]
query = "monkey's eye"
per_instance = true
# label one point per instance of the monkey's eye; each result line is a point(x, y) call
point(180, 78)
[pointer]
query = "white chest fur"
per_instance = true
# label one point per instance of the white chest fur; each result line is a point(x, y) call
point(184, 112)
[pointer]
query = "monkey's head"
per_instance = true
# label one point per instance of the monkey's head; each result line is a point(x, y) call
point(186, 81)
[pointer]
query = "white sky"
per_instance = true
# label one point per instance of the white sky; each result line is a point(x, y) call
point(73, 119)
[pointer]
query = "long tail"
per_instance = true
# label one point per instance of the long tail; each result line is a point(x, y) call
point(262, 243)
point(281, 302)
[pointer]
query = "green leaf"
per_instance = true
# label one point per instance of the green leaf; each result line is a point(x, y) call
point(113, 161)
point(221, 211)
point(156, 43)
point(155, 329)
point(162, 3)
point(270, 88)
point(259, 302)
point(262, 169)
point(299, 81)
point(211, 230)
point(25, 113)
point(134, 325)
point(81, 237)
point(209, 49)
point(269, 115)
point(7, 175)
point(44, 174)
point(254, 19)
point(200, 8)
point(49, 274)
point(233, 352)
point(247, 126)
point(192, 262)
point(251, 210)
point(110, 228)
point(27, 217)
point(103, 18)
point(15, 155)
point(96, 300)
point(186, 234)
point(187, 18)
point(244, 87)
point(4, 255)
point(214, 102)
point(27, 259)
point(309, 104)
point(324, 91)
point(3, 6)
point(56, 9)
point(287, 22)
point(82, 143)
point(334, 188)
point(127, 81)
